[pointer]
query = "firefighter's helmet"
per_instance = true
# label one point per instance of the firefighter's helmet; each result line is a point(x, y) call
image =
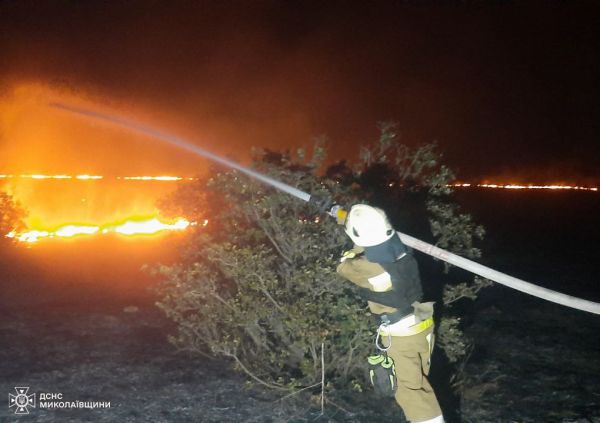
point(368, 226)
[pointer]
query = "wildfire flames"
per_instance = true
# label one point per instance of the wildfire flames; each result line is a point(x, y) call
point(179, 178)
point(130, 228)
point(153, 225)
point(533, 187)
point(97, 177)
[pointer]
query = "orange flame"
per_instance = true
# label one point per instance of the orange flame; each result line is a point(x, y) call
point(40, 176)
point(133, 227)
point(522, 186)
point(97, 177)
point(155, 178)
point(129, 228)
point(87, 177)
point(72, 230)
point(148, 227)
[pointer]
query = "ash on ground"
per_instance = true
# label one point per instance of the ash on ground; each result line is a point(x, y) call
point(532, 363)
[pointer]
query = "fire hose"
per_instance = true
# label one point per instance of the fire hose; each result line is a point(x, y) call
point(424, 247)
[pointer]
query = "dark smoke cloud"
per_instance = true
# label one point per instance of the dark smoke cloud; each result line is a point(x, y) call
point(499, 86)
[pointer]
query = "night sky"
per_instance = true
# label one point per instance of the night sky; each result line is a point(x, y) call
point(510, 91)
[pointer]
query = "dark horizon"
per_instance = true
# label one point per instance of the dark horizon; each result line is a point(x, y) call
point(509, 91)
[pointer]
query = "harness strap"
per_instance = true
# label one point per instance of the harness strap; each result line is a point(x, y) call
point(394, 317)
point(387, 330)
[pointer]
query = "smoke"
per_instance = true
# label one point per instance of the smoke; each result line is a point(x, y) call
point(496, 94)
point(509, 92)
point(35, 139)
point(196, 78)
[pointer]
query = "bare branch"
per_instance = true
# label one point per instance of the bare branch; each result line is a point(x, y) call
point(252, 375)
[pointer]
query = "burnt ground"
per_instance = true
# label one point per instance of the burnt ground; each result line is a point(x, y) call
point(63, 329)
point(102, 353)
point(533, 363)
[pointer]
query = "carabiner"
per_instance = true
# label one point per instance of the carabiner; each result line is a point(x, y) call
point(383, 349)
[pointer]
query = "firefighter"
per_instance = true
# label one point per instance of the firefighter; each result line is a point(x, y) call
point(388, 277)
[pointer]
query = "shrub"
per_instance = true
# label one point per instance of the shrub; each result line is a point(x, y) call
point(11, 215)
point(258, 284)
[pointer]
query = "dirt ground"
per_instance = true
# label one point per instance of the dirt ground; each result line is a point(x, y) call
point(532, 363)
point(103, 353)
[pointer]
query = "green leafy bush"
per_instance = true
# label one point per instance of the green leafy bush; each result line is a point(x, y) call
point(258, 283)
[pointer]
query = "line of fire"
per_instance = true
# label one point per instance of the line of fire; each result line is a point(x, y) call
point(152, 223)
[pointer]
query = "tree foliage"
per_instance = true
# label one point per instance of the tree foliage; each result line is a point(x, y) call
point(258, 283)
point(11, 215)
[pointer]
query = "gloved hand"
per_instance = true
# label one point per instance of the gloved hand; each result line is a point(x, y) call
point(323, 204)
point(353, 253)
point(339, 213)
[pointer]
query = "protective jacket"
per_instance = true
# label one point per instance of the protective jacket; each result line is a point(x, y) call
point(391, 286)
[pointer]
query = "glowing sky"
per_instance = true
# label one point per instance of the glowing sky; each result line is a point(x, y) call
point(506, 90)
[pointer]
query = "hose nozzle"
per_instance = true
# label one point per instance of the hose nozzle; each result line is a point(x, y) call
point(339, 213)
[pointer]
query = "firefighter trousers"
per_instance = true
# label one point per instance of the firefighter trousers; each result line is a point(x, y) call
point(412, 355)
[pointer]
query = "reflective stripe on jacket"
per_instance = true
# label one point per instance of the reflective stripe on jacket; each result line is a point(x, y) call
point(388, 287)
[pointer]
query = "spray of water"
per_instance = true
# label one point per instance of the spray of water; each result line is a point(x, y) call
point(181, 143)
point(471, 266)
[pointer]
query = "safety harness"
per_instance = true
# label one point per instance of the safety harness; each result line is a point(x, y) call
point(382, 370)
point(399, 330)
